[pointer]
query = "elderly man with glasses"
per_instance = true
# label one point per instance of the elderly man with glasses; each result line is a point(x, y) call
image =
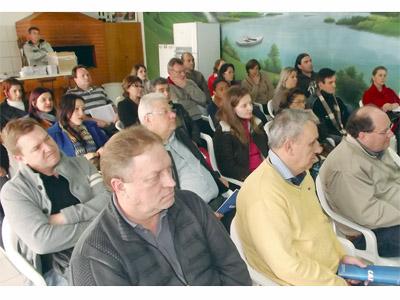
point(362, 180)
point(190, 169)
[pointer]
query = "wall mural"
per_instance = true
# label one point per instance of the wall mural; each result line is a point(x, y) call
point(350, 43)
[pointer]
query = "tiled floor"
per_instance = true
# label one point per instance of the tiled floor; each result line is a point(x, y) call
point(8, 274)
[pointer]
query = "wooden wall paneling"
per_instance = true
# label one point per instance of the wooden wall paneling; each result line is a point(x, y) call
point(124, 48)
point(63, 29)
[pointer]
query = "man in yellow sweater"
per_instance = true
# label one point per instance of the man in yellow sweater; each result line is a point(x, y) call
point(285, 234)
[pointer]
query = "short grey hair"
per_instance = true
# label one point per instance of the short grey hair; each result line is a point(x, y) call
point(288, 125)
point(172, 62)
point(146, 104)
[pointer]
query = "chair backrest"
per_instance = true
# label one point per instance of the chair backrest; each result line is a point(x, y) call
point(213, 160)
point(394, 155)
point(371, 252)
point(210, 149)
point(10, 241)
point(119, 125)
point(256, 277)
point(267, 127)
point(270, 108)
point(208, 119)
point(113, 90)
point(259, 106)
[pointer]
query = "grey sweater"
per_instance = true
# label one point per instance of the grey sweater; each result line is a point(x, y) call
point(28, 207)
point(191, 97)
point(111, 253)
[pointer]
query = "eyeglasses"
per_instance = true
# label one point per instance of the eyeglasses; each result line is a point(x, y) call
point(162, 112)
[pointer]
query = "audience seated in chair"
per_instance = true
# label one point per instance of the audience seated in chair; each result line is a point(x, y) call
point(41, 107)
point(190, 169)
point(150, 233)
point(140, 70)
point(258, 83)
point(362, 181)
point(74, 135)
point(51, 200)
point(220, 87)
point(127, 108)
point(383, 97)
point(306, 77)
point(93, 96)
point(240, 141)
point(287, 82)
point(185, 91)
point(330, 109)
point(210, 82)
point(285, 234)
point(189, 65)
point(227, 72)
point(14, 106)
point(183, 119)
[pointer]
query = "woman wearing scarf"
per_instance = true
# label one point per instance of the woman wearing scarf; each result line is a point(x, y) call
point(74, 135)
point(41, 107)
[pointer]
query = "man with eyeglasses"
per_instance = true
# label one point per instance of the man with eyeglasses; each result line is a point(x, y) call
point(160, 85)
point(151, 234)
point(190, 169)
point(362, 180)
point(185, 91)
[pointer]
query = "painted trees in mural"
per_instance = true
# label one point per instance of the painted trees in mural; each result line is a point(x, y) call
point(350, 43)
point(273, 62)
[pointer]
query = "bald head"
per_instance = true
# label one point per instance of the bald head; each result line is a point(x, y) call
point(371, 127)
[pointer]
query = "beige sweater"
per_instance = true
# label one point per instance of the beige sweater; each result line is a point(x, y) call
point(361, 187)
point(261, 92)
point(285, 234)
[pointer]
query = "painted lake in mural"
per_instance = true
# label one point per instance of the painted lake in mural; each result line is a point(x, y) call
point(307, 32)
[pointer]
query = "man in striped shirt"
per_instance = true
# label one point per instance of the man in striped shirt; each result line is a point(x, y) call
point(92, 95)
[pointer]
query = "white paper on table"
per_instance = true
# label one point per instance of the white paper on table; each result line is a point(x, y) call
point(104, 113)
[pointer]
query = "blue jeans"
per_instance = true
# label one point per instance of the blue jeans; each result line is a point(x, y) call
point(388, 240)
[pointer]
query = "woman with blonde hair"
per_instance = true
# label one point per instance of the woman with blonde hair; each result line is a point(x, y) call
point(240, 141)
point(287, 82)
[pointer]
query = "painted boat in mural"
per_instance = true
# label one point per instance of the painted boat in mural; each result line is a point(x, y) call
point(247, 41)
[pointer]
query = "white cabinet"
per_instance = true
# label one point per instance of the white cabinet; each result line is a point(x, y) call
point(203, 39)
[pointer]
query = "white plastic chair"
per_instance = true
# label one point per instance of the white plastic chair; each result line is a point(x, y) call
point(119, 125)
point(10, 241)
point(256, 277)
point(371, 251)
point(113, 90)
point(270, 108)
point(267, 126)
point(214, 166)
point(259, 106)
point(394, 155)
point(208, 119)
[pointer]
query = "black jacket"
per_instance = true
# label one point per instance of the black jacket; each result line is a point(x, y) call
point(232, 156)
point(326, 127)
point(8, 112)
point(110, 252)
point(182, 137)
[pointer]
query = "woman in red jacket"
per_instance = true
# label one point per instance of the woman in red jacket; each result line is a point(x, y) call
point(385, 98)
point(379, 94)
